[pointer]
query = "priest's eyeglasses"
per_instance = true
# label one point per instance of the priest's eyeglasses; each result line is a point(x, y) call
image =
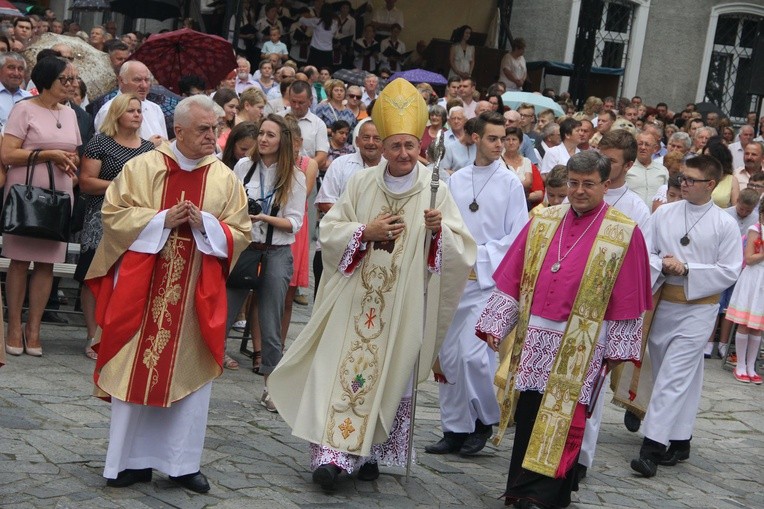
point(67, 80)
point(689, 180)
point(588, 185)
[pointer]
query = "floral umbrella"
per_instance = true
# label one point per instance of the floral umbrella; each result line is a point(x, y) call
point(92, 65)
point(173, 55)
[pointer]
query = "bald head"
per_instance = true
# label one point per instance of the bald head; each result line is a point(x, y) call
point(134, 77)
point(511, 118)
point(64, 50)
point(482, 106)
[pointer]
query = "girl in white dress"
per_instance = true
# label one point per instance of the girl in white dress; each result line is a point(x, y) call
point(746, 307)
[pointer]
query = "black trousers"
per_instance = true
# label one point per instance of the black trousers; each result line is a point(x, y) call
point(526, 485)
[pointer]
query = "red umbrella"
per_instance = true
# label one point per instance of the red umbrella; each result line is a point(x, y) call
point(8, 9)
point(171, 55)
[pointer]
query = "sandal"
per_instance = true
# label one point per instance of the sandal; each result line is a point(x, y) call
point(230, 363)
point(89, 352)
point(256, 358)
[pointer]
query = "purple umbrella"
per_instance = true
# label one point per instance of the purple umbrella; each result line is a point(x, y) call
point(420, 76)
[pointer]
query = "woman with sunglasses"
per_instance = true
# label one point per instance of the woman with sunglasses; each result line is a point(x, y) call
point(41, 123)
point(276, 191)
point(354, 104)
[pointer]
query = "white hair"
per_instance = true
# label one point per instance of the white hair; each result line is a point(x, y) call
point(183, 113)
point(455, 109)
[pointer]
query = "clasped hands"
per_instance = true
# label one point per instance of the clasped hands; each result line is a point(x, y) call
point(184, 212)
point(387, 227)
point(65, 161)
point(672, 266)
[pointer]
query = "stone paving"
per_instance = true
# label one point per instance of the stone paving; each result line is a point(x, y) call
point(53, 438)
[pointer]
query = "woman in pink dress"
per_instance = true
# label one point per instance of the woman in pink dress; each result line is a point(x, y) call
point(39, 123)
point(301, 245)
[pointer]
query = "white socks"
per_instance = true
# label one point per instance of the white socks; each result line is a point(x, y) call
point(754, 343)
point(741, 347)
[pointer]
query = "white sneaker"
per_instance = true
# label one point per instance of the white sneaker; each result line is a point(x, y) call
point(723, 347)
point(239, 326)
point(267, 402)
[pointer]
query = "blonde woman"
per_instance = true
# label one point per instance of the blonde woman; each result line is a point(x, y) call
point(105, 155)
point(251, 104)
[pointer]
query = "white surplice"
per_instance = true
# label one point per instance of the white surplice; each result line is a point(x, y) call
point(168, 439)
point(467, 363)
point(680, 331)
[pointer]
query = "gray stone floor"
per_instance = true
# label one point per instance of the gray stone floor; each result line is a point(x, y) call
point(53, 438)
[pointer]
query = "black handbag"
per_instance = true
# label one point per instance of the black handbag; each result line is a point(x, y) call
point(37, 212)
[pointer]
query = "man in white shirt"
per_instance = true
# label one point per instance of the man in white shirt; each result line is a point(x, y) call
point(752, 163)
point(452, 91)
point(466, 91)
point(135, 78)
point(315, 142)
point(370, 92)
point(745, 136)
point(646, 176)
point(12, 66)
point(570, 133)
point(383, 19)
point(243, 77)
point(368, 154)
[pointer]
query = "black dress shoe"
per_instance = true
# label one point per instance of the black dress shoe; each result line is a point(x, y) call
point(326, 476)
point(195, 482)
point(53, 317)
point(644, 466)
point(677, 451)
point(631, 421)
point(128, 477)
point(368, 472)
point(475, 441)
point(450, 443)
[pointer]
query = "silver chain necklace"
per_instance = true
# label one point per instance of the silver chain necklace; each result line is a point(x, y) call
point(556, 266)
point(474, 205)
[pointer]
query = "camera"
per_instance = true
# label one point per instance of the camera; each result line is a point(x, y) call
point(254, 207)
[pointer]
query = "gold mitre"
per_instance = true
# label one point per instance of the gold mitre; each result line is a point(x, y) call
point(400, 109)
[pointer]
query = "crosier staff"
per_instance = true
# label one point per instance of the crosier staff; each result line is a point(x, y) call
point(440, 150)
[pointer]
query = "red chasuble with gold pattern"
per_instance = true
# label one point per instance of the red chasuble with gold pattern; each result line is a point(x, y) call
point(163, 323)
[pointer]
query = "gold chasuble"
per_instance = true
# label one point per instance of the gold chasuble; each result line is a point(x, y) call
point(341, 382)
point(161, 326)
point(566, 378)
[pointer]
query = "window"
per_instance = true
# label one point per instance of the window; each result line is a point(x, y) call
point(730, 67)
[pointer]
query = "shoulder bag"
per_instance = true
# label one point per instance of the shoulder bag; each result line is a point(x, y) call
point(37, 212)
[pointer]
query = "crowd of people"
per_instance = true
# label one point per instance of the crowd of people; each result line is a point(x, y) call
point(606, 239)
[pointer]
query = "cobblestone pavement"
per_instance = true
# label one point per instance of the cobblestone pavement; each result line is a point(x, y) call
point(53, 438)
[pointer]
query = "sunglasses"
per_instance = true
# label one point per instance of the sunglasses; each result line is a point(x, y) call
point(353, 96)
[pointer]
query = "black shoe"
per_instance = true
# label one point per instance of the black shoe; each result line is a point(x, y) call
point(53, 317)
point(326, 476)
point(368, 472)
point(631, 421)
point(581, 472)
point(128, 477)
point(475, 441)
point(679, 450)
point(195, 482)
point(450, 443)
point(644, 466)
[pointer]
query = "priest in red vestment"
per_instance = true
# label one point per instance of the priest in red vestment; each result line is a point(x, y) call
point(175, 221)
